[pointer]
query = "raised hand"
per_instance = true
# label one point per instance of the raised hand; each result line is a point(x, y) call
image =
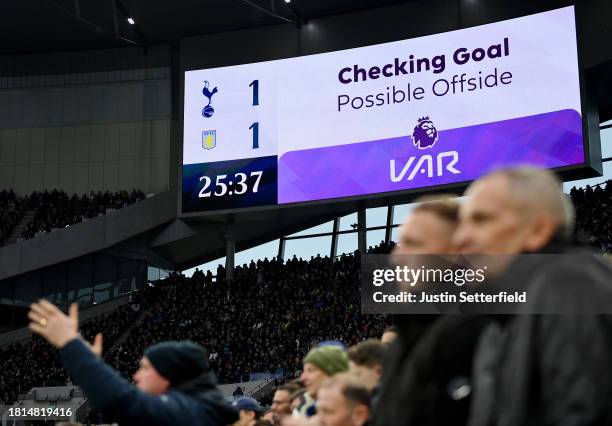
point(52, 324)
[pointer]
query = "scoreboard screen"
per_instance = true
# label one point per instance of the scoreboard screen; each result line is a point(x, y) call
point(433, 110)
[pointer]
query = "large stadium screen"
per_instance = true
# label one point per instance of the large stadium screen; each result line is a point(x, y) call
point(428, 111)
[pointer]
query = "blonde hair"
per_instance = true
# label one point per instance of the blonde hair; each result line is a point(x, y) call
point(444, 206)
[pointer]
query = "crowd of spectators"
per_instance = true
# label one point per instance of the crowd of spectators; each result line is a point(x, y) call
point(56, 209)
point(301, 321)
point(11, 209)
point(594, 214)
point(33, 362)
point(263, 320)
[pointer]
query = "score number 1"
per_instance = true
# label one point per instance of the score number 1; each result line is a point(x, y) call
point(255, 126)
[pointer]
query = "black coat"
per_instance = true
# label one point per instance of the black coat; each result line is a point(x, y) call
point(550, 369)
point(426, 378)
point(198, 402)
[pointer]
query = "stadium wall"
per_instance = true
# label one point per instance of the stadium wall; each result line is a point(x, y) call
point(86, 121)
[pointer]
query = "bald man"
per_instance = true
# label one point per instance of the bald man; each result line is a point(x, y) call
point(538, 369)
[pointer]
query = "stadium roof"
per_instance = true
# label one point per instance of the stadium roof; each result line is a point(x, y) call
point(59, 25)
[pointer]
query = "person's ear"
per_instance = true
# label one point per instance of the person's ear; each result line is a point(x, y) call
point(361, 413)
point(541, 231)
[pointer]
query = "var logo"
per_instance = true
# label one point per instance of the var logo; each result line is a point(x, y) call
point(424, 136)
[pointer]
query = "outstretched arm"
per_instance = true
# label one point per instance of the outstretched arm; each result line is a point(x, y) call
point(105, 388)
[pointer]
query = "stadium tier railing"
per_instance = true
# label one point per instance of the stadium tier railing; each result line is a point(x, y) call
point(247, 387)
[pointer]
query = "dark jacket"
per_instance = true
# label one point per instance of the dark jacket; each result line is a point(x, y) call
point(549, 369)
point(426, 379)
point(198, 402)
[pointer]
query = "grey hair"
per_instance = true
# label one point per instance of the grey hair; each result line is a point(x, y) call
point(540, 187)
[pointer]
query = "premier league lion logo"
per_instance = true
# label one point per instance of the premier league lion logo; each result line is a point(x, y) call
point(424, 134)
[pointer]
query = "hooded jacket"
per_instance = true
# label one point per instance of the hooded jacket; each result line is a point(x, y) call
point(196, 402)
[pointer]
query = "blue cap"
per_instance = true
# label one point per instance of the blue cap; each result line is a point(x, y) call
point(246, 403)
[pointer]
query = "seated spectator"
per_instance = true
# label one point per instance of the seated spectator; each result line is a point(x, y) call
point(56, 209)
point(12, 208)
point(594, 214)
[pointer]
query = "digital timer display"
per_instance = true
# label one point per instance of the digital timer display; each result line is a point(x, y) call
point(434, 110)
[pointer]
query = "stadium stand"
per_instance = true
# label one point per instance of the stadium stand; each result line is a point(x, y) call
point(594, 214)
point(258, 332)
point(229, 390)
point(250, 329)
point(55, 209)
point(68, 399)
point(97, 98)
point(244, 323)
point(33, 362)
point(41, 212)
point(12, 208)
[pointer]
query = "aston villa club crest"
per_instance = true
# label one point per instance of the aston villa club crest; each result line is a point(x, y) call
point(208, 110)
point(425, 134)
point(209, 139)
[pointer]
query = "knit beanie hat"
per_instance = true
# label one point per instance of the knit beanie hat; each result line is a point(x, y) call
point(178, 362)
point(329, 359)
